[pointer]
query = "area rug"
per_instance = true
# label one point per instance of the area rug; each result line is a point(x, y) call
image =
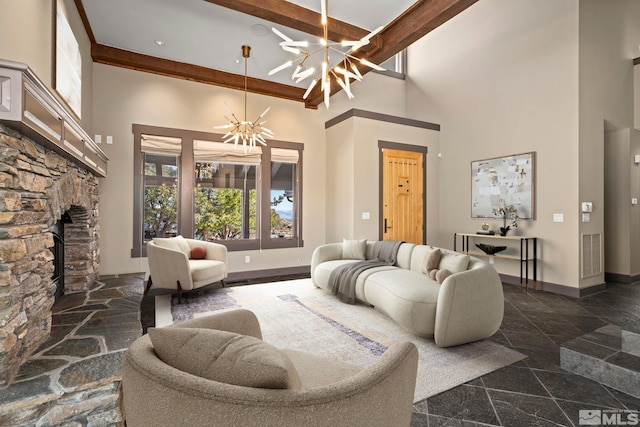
point(295, 314)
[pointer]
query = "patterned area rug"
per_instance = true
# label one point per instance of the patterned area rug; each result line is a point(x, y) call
point(295, 314)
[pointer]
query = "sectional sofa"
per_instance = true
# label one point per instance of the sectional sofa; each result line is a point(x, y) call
point(468, 304)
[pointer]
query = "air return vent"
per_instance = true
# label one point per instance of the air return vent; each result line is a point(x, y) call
point(591, 255)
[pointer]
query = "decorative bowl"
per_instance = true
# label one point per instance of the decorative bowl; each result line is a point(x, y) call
point(490, 249)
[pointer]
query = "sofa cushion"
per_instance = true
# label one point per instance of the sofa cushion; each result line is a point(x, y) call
point(431, 259)
point(354, 249)
point(408, 297)
point(455, 263)
point(318, 371)
point(198, 252)
point(323, 271)
point(205, 269)
point(224, 357)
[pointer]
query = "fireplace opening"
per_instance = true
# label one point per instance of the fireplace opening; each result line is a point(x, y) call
point(58, 254)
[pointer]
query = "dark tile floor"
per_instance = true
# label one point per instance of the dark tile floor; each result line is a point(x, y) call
point(534, 391)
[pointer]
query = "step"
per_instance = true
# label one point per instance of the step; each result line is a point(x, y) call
point(631, 340)
point(601, 356)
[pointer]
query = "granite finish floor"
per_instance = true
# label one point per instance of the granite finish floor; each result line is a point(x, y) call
point(535, 391)
point(73, 379)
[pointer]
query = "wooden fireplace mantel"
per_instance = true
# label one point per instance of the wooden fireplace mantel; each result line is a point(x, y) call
point(29, 107)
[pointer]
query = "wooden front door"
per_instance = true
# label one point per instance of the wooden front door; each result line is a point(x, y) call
point(403, 195)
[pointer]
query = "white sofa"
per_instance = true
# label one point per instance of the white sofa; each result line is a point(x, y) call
point(467, 306)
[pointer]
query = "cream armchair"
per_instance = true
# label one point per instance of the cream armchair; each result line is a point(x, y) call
point(329, 392)
point(171, 265)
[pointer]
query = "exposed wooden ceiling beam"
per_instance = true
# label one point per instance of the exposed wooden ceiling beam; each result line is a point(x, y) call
point(417, 21)
point(413, 24)
point(293, 16)
point(165, 67)
point(85, 21)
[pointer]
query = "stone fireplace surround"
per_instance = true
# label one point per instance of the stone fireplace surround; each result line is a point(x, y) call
point(37, 186)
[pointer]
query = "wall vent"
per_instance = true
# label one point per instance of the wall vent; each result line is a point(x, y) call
point(591, 255)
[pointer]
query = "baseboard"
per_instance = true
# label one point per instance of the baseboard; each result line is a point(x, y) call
point(621, 278)
point(555, 288)
point(238, 276)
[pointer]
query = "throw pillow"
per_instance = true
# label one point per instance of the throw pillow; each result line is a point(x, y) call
point(224, 357)
point(455, 263)
point(354, 249)
point(431, 259)
point(441, 275)
point(198, 252)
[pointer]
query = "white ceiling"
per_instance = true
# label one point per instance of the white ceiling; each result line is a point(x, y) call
point(201, 33)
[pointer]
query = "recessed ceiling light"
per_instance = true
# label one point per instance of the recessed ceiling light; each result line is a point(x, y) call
point(259, 30)
point(159, 42)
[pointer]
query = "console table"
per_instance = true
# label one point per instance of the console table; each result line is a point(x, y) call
point(528, 245)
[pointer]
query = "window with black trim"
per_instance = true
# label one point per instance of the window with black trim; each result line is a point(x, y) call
point(189, 183)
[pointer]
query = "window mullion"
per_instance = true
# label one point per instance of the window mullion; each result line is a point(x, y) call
point(186, 184)
point(265, 192)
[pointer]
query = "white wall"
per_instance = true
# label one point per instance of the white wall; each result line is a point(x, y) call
point(609, 38)
point(26, 35)
point(501, 79)
point(617, 196)
point(353, 175)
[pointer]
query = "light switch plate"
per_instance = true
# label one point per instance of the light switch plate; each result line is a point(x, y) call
point(558, 217)
point(366, 215)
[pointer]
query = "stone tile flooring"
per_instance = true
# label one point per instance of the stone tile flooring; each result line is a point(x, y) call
point(536, 391)
point(533, 392)
point(74, 377)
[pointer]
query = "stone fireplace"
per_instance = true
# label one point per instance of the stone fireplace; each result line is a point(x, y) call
point(49, 169)
point(37, 188)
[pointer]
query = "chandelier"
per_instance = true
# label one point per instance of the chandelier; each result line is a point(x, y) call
point(250, 133)
point(346, 70)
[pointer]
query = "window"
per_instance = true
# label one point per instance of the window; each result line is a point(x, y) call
point(283, 178)
point(226, 193)
point(188, 183)
point(395, 66)
point(160, 197)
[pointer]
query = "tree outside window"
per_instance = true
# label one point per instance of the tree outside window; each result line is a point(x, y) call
point(188, 184)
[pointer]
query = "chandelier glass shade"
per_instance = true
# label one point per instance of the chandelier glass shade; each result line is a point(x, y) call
point(250, 133)
point(342, 73)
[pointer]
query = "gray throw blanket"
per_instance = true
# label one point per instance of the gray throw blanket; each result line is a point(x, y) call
point(342, 281)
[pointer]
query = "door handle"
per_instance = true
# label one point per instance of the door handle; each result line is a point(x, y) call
point(386, 227)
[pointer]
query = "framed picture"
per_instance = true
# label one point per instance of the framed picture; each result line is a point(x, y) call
point(67, 74)
point(503, 181)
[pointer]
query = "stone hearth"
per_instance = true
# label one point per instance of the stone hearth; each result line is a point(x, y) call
point(37, 186)
point(73, 379)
